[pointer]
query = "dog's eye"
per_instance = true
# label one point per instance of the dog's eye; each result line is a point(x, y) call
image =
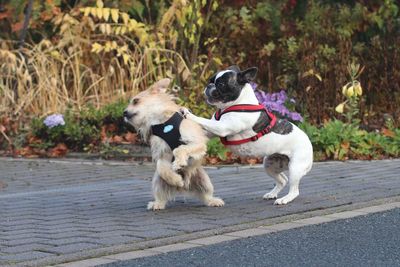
point(135, 101)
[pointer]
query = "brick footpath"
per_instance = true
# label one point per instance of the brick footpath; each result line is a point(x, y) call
point(53, 212)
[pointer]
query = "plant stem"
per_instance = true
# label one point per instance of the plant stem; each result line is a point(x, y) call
point(24, 30)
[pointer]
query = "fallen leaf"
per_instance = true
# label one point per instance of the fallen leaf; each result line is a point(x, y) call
point(14, 127)
point(34, 140)
point(243, 160)
point(388, 133)
point(59, 150)
point(130, 137)
point(103, 134)
point(3, 185)
point(111, 128)
point(6, 14)
point(117, 139)
point(32, 156)
point(6, 121)
point(25, 151)
point(213, 160)
point(46, 15)
point(251, 161)
point(345, 145)
point(56, 10)
point(16, 27)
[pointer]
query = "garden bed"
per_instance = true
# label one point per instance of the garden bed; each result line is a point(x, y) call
point(102, 133)
point(80, 63)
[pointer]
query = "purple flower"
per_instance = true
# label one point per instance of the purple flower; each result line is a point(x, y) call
point(296, 116)
point(54, 120)
point(276, 102)
point(253, 85)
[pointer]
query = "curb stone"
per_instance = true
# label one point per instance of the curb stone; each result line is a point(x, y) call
point(138, 250)
point(262, 230)
point(110, 162)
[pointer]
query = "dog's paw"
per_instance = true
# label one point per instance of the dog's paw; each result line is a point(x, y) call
point(178, 164)
point(176, 180)
point(154, 205)
point(180, 183)
point(281, 201)
point(284, 200)
point(270, 195)
point(215, 202)
point(184, 111)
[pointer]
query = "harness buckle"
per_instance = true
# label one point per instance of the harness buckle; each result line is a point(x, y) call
point(254, 138)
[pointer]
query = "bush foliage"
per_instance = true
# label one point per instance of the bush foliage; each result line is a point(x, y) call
point(89, 51)
point(79, 58)
point(305, 46)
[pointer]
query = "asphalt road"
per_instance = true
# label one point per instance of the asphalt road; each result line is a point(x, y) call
point(372, 240)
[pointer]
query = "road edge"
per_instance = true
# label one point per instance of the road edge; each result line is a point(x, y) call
point(261, 228)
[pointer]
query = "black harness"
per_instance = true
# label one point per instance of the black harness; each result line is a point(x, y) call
point(169, 131)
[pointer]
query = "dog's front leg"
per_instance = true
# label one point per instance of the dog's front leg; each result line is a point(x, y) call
point(182, 154)
point(220, 128)
point(165, 171)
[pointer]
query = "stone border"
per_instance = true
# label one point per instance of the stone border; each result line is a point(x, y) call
point(104, 162)
point(255, 231)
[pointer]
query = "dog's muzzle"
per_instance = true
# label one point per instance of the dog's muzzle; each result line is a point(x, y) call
point(211, 93)
point(128, 115)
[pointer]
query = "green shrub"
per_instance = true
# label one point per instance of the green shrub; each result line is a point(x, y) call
point(81, 129)
point(339, 140)
point(76, 133)
point(216, 149)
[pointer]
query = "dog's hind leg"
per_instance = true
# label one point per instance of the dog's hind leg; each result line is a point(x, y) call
point(203, 188)
point(162, 193)
point(297, 169)
point(274, 166)
point(164, 169)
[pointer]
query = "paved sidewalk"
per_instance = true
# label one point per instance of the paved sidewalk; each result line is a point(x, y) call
point(53, 212)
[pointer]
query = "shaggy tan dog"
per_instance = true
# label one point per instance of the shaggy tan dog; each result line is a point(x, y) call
point(180, 170)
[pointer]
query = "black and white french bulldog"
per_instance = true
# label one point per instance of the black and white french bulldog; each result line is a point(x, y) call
point(284, 146)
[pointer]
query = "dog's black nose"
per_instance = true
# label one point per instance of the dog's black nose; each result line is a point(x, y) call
point(128, 115)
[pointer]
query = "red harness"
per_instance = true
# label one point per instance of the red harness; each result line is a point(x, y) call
point(246, 108)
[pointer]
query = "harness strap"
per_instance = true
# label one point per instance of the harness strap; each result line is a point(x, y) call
point(240, 108)
point(246, 108)
point(169, 131)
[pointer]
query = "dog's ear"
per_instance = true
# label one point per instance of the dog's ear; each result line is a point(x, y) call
point(160, 86)
point(235, 68)
point(247, 75)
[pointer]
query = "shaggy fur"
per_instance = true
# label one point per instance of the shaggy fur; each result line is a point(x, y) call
point(185, 174)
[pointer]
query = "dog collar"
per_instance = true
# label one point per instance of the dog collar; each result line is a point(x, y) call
point(169, 131)
point(246, 108)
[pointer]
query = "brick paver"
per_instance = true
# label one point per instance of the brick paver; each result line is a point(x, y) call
point(52, 210)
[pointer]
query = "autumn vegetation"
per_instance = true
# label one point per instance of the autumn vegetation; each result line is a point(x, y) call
point(338, 62)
